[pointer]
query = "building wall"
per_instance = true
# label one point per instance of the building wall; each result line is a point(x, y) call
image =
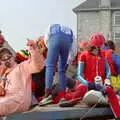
point(115, 27)
point(93, 22)
point(87, 23)
point(106, 23)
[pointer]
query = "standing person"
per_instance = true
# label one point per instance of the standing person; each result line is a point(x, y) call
point(15, 86)
point(112, 57)
point(82, 47)
point(109, 49)
point(59, 40)
point(92, 65)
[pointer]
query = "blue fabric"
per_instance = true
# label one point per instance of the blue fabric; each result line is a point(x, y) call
point(80, 70)
point(107, 70)
point(58, 51)
point(93, 86)
point(116, 59)
point(57, 29)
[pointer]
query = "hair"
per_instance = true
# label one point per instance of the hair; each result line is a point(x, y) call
point(4, 51)
point(44, 51)
point(110, 44)
point(91, 48)
point(42, 46)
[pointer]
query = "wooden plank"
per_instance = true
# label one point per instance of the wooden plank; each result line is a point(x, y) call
point(56, 113)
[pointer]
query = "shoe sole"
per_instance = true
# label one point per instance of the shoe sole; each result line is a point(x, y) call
point(45, 103)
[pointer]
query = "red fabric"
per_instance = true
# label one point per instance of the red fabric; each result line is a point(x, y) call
point(61, 94)
point(113, 101)
point(90, 65)
point(96, 40)
point(77, 94)
point(89, 74)
point(2, 39)
point(33, 86)
point(20, 57)
point(108, 55)
point(80, 91)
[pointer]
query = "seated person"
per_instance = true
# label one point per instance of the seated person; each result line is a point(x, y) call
point(15, 88)
point(91, 66)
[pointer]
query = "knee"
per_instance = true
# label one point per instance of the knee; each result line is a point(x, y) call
point(109, 89)
point(82, 88)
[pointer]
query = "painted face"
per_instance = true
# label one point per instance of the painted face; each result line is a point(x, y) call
point(7, 60)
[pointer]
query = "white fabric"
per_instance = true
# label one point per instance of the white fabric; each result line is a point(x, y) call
point(94, 97)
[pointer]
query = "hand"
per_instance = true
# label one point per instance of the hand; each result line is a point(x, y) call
point(99, 87)
point(91, 85)
point(107, 82)
point(2, 91)
point(32, 45)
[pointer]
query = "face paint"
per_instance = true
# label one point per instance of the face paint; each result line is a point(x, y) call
point(7, 64)
point(8, 60)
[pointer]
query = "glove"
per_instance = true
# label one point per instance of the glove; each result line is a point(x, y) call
point(98, 87)
point(91, 86)
point(107, 82)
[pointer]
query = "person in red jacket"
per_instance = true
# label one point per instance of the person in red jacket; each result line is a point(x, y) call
point(109, 54)
point(91, 66)
point(82, 47)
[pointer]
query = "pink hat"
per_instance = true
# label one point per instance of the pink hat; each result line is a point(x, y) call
point(83, 44)
point(96, 40)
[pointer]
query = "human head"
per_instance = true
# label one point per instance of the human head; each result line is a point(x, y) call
point(83, 45)
point(110, 44)
point(95, 42)
point(6, 57)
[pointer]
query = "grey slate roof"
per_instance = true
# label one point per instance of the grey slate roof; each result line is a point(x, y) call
point(94, 5)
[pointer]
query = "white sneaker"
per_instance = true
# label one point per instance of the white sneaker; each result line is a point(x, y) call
point(46, 101)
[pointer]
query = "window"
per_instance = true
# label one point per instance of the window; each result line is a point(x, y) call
point(117, 19)
point(117, 37)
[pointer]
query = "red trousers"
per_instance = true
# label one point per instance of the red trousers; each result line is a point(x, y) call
point(80, 90)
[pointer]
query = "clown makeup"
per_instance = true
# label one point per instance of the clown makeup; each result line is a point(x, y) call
point(7, 59)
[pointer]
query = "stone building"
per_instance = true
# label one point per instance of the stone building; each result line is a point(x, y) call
point(98, 16)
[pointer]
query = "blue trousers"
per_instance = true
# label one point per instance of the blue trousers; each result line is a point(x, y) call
point(58, 50)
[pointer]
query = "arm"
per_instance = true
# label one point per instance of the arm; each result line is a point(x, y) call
point(108, 74)
point(80, 71)
point(107, 70)
point(73, 51)
point(36, 57)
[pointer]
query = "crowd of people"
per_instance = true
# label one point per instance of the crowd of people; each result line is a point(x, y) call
point(26, 78)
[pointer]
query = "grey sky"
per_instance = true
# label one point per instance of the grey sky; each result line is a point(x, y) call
point(22, 19)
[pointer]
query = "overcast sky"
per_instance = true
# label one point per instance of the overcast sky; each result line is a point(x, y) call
point(22, 19)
